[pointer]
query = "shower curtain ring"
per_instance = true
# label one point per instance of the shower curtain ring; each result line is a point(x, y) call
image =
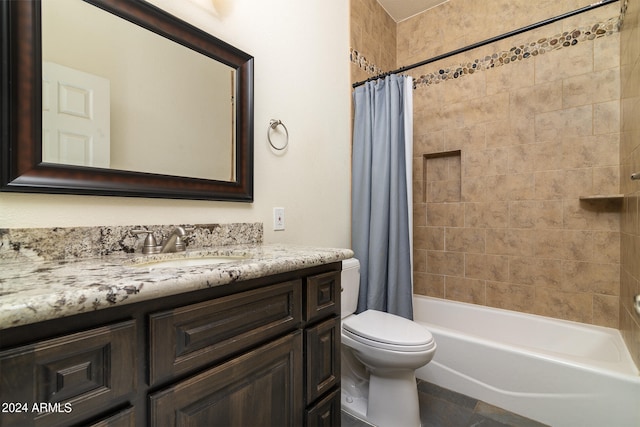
point(273, 124)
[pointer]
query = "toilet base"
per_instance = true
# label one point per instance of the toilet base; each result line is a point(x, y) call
point(356, 407)
point(392, 400)
point(355, 386)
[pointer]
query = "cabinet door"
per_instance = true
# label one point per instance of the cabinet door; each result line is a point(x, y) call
point(322, 296)
point(66, 380)
point(325, 413)
point(187, 338)
point(322, 349)
point(260, 388)
point(125, 418)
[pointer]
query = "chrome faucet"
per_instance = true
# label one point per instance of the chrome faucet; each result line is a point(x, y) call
point(173, 243)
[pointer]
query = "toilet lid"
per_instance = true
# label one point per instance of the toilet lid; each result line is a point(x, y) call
point(385, 328)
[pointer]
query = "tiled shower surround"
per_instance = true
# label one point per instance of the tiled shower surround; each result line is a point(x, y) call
point(534, 136)
point(630, 163)
point(498, 59)
point(509, 139)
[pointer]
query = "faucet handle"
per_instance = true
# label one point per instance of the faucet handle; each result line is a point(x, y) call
point(150, 243)
point(180, 244)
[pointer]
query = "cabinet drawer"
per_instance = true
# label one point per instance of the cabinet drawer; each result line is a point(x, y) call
point(325, 413)
point(323, 296)
point(258, 388)
point(187, 338)
point(125, 418)
point(69, 378)
point(322, 349)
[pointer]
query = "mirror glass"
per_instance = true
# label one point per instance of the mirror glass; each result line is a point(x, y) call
point(120, 98)
point(116, 95)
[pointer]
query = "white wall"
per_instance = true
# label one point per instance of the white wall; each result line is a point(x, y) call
point(302, 78)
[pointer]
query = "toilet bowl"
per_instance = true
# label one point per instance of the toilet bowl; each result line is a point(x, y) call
point(380, 353)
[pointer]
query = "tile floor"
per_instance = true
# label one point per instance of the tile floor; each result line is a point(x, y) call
point(440, 407)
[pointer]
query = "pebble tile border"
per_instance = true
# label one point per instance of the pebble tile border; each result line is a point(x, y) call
point(516, 53)
point(362, 62)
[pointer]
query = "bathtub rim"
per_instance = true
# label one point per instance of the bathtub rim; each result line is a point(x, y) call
point(627, 371)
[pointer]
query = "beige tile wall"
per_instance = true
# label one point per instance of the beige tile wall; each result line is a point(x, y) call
point(459, 23)
point(630, 158)
point(373, 35)
point(534, 136)
point(501, 222)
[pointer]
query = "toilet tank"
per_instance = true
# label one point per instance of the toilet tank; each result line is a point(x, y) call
point(350, 282)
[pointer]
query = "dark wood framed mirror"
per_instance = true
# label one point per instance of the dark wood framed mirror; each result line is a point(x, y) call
point(25, 166)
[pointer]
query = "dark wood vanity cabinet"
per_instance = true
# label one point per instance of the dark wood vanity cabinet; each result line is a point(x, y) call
point(184, 339)
point(322, 349)
point(262, 352)
point(67, 380)
point(258, 388)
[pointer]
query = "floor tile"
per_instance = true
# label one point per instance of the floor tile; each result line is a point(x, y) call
point(504, 417)
point(439, 412)
point(350, 421)
point(440, 407)
point(480, 421)
point(448, 395)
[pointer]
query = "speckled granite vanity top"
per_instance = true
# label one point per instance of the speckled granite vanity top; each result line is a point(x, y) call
point(34, 288)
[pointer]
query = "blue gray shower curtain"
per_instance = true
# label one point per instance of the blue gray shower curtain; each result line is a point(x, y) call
point(381, 193)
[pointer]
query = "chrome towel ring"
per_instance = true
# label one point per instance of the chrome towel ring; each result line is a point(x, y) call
point(273, 124)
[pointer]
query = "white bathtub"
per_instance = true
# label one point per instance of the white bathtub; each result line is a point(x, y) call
point(557, 372)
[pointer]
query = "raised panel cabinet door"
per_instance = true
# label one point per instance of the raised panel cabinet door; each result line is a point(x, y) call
point(186, 338)
point(260, 388)
point(325, 413)
point(322, 296)
point(124, 418)
point(66, 380)
point(322, 349)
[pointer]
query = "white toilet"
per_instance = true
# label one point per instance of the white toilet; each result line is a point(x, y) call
point(380, 354)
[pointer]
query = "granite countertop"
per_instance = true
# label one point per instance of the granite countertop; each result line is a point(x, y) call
point(36, 290)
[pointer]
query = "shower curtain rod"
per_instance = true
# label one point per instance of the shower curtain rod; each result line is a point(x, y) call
point(491, 40)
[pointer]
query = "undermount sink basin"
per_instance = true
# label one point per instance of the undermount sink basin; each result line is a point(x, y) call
point(189, 261)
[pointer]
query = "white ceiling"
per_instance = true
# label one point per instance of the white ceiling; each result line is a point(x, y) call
point(400, 10)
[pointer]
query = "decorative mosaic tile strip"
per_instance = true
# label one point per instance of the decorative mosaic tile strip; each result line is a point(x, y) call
point(91, 242)
point(362, 62)
point(623, 11)
point(518, 53)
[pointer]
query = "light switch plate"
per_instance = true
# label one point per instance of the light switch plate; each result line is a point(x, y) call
point(278, 219)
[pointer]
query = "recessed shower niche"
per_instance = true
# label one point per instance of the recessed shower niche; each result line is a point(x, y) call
point(441, 180)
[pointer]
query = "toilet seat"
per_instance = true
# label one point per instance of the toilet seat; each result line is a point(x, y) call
point(387, 331)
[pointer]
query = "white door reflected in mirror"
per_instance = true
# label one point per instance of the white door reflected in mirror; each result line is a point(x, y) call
point(75, 117)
